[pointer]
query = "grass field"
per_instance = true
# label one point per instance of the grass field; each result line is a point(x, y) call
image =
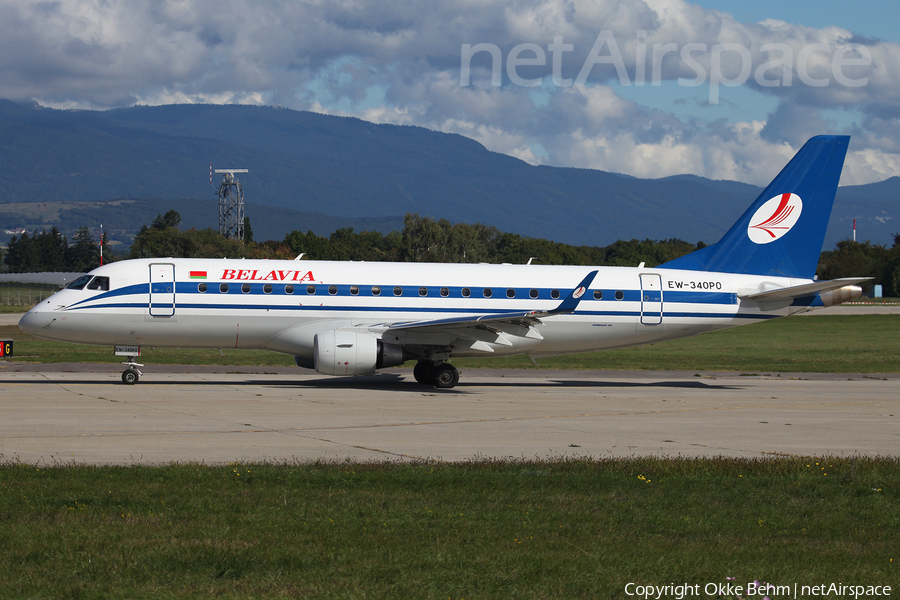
point(491, 529)
point(830, 344)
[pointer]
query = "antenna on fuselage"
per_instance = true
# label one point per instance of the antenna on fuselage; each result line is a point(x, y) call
point(231, 204)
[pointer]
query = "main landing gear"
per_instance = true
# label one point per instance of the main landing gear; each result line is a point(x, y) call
point(440, 375)
point(131, 375)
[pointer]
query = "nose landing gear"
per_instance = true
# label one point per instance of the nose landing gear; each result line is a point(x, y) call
point(131, 375)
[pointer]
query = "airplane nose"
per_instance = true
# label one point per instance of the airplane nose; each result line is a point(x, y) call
point(32, 322)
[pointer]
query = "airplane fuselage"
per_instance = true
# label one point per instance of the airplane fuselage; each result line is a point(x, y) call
point(282, 305)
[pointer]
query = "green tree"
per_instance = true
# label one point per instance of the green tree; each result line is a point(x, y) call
point(423, 238)
point(163, 239)
point(52, 247)
point(45, 251)
point(852, 259)
point(21, 254)
point(633, 252)
point(470, 243)
point(172, 242)
point(313, 246)
point(170, 219)
point(366, 245)
point(84, 254)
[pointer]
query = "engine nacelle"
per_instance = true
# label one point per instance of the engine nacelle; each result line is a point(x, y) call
point(339, 352)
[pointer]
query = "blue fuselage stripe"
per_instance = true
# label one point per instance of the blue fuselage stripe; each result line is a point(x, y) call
point(672, 310)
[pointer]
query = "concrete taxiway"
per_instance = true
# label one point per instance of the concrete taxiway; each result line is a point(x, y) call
point(84, 414)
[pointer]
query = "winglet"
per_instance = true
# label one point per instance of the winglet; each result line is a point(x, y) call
point(571, 302)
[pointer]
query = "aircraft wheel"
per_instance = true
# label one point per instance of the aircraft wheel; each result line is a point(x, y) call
point(445, 375)
point(422, 371)
point(131, 376)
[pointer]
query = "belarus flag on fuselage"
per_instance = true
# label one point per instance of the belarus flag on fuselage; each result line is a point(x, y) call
point(198, 274)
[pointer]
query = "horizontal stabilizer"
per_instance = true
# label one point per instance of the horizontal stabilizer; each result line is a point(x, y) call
point(802, 291)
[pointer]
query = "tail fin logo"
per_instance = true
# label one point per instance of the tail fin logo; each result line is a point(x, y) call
point(774, 218)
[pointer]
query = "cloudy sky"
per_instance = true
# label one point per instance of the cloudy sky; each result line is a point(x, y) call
point(725, 89)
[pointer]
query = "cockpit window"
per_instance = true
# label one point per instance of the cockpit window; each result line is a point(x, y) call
point(99, 283)
point(79, 283)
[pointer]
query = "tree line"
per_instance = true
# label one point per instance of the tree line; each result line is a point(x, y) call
point(864, 259)
point(422, 239)
point(51, 251)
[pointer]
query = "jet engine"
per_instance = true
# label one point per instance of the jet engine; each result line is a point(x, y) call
point(340, 352)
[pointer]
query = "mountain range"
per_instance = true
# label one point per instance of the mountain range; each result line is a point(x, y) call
point(319, 172)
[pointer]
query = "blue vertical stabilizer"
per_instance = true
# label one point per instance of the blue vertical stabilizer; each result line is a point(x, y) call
point(781, 234)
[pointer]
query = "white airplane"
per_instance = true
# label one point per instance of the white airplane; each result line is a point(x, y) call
point(351, 318)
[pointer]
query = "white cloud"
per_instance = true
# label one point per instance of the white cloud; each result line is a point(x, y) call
point(400, 63)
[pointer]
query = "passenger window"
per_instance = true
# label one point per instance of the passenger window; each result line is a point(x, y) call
point(245, 288)
point(598, 294)
point(445, 292)
point(423, 291)
point(288, 289)
point(311, 290)
point(354, 290)
point(332, 289)
point(79, 283)
point(510, 293)
point(267, 289)
point(376, 290)
point(466, 293)
point(398, 291)
point(533, 293)
point(620, 295)
point(554, 294)
point(201, 287)
point(223, 288)
point(488, 292)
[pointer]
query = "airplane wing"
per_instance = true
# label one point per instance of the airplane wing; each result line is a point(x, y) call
point(802, 291)
point(478, 330)
point(568, 305)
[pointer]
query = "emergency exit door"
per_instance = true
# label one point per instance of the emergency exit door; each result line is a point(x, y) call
point(162, 290)
point(651, 299)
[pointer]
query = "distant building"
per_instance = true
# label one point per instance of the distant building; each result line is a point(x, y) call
point(18, 231)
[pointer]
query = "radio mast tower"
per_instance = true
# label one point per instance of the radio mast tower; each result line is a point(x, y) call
point(231, 204)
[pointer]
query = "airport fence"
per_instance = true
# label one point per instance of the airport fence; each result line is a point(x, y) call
point(25, 294)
